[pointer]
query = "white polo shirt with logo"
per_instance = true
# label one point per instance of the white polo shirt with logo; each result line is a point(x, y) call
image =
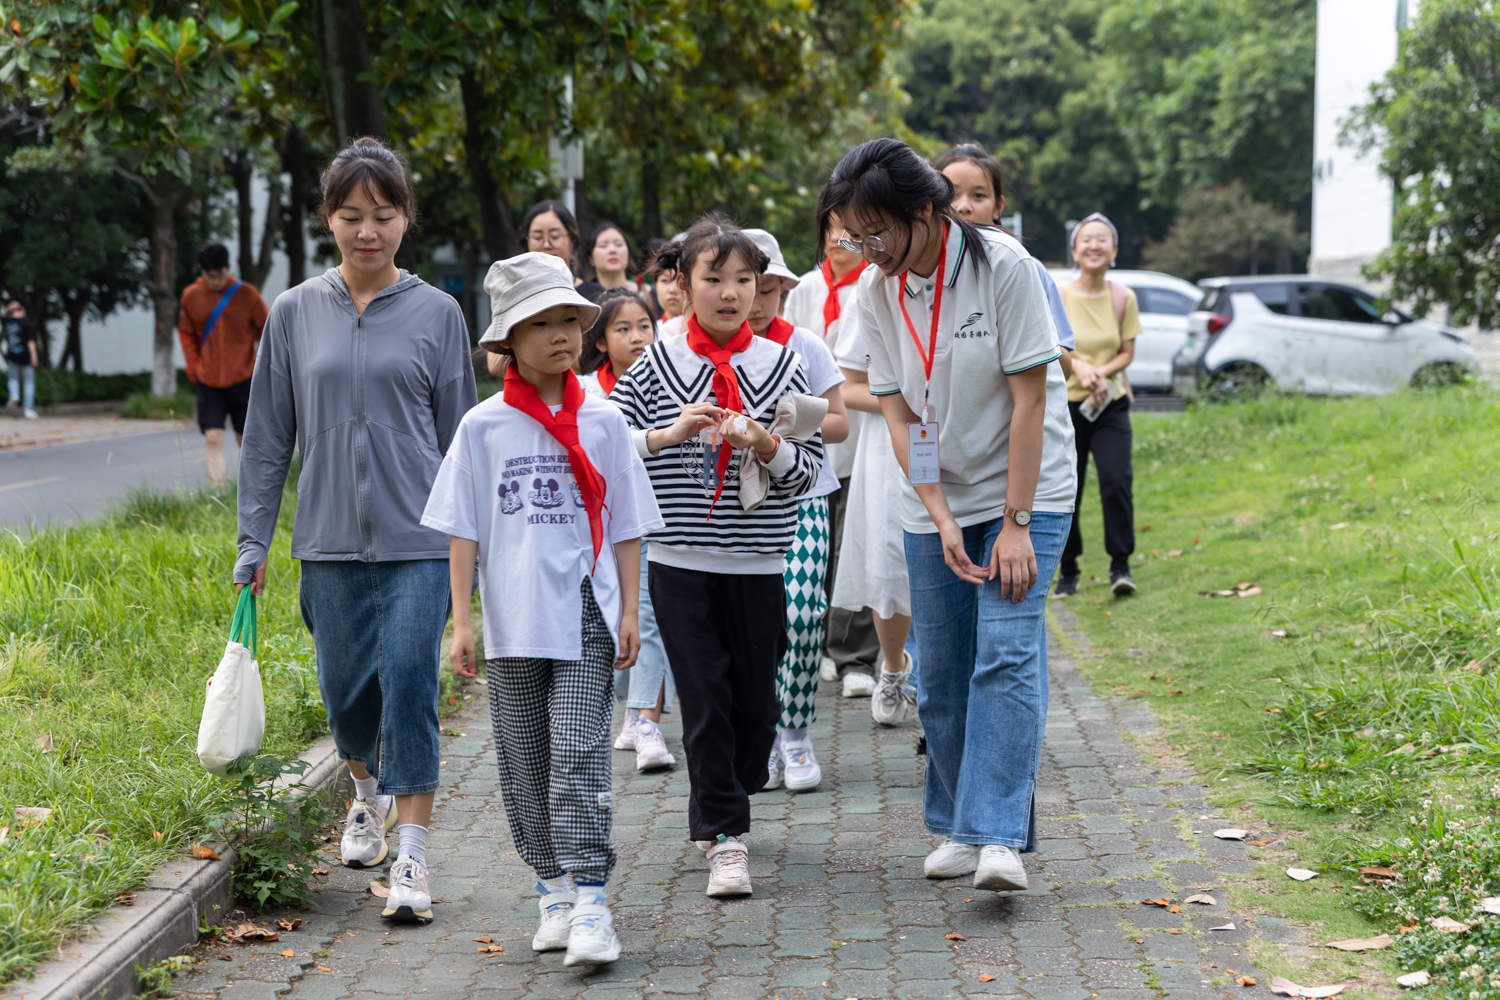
point(995, 322)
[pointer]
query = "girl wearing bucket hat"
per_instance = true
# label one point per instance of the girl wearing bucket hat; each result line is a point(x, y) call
point(365, 370)
point(792, 760)
point(559, 570)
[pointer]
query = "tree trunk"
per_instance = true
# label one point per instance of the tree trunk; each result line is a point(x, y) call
point(244, 178)
point(342, 36)
point(650, 193)
point(37, 311)
point(270, 229)
point(168, 193)
point(73, 348)
point(495, 224)
point(294, 164)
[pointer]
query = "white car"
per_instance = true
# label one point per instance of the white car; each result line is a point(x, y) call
point(1165, 303)
point(1304, 334)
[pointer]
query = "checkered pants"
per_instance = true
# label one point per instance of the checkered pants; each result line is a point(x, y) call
point(806, 602)
point(551, 721)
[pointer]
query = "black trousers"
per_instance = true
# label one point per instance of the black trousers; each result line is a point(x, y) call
point(849, 637)
point(724, 636)
point(1108, 439)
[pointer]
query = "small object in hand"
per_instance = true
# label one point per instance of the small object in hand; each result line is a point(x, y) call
point(741, 426)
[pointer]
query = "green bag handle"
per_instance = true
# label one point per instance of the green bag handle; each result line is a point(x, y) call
point(243, 625)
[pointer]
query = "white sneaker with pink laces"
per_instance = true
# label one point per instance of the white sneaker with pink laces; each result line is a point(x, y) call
point(651, 747)
point(729, 868)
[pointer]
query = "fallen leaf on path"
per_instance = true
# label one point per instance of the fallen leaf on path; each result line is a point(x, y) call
point(1301, 874)
point(1490, 904)
point(1261, 843)
point(204, 853)
point(483, 940)
point(29, 815)
point(1287, 988)
point(1338, 527)
point(1173, 930)
point(1362, 944)
point(1246, 981)
point(379, 891)
point(955, 937)
point(1414, 979)
point(1201, 897)
point(247, 932)
point(986, 978)
point(1279, 633)
point(320, 871)
point(1447, 925)
point(1172, 910)
point(1223, 927)
point(288, 953)
point(290, 925)
point(45, 742)
point(1156, 902)
point(321, 968)
point(1380, 870)
point(1231, 833)
point(489, 949)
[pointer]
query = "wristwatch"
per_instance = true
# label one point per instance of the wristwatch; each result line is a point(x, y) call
point(1020, 515)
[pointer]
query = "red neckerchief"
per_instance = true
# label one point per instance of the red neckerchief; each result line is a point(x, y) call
point(726, 383)
point(607, 377)
point(564, 428)
point(781, 331)
point(831, 307)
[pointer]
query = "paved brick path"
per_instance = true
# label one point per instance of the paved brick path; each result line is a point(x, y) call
point(840, 908)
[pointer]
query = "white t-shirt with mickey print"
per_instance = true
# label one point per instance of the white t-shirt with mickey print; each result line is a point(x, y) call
point(506, 484)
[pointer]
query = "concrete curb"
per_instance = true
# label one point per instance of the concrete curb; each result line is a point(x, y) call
point(164, 921)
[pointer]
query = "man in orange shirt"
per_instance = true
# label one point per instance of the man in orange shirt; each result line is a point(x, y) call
point(219, 321)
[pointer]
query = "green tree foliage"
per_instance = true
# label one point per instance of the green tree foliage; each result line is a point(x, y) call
point(1222, 230)
point(1436, 119)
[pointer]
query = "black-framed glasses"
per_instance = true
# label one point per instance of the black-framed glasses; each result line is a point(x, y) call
point(858, 246)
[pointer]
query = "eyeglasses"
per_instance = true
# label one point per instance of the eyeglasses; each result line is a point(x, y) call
point(858, 246)
point(553, 239)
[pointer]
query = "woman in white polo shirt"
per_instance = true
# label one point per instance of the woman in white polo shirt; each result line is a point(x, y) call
point(963, 356)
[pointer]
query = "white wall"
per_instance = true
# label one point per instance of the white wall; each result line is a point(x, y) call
point(122, 341)
point(1352, 203)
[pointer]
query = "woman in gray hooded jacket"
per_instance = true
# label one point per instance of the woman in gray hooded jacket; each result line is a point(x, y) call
point(365, 370)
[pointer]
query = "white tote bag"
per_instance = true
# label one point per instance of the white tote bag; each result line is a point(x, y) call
point(234, 712)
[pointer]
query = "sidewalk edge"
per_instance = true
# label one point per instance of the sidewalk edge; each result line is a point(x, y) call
point(164, 921)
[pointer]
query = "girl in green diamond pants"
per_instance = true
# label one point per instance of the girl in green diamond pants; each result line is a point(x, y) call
point(797, 674)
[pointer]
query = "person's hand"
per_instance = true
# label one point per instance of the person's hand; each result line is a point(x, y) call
point(1013, 560)
point(755, 436)
point(1088, 376)
point(630, 642)
point(694, 417)
point(461, 652)
point(1099, 393)
point(956, 556)
point(257, 582)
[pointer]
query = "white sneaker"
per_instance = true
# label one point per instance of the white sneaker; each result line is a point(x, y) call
point(30, 414)
point(410, 898)
point(828, 671)
point(1000, 869)
point(729, 868)
point(591, 934)
point(557, 908)
point(775, 771)
point(626, 739)
point(889, 704)
point(365, 827)
point(802, 771)
point(651, 747)
point(857, 685)
point(951, 860)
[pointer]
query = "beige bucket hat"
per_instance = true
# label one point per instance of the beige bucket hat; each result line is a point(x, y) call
point(772, 249)
point(526, 284)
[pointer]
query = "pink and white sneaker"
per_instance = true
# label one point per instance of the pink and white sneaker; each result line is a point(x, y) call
point(626, 739)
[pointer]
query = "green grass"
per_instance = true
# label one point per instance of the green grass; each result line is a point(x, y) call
point(1368, 525)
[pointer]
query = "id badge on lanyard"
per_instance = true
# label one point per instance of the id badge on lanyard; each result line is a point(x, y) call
point(923, 460)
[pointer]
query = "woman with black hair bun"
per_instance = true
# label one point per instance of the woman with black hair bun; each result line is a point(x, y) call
point(963, 360)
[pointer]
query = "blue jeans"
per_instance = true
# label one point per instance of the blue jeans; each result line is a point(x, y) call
point(651, 670)
point(982, 695)
point(377, 629)
point(21, 379)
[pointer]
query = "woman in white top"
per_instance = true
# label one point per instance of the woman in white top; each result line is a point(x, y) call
point(963, 356)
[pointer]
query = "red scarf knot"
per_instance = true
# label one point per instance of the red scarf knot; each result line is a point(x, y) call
point(781, 331)
point(831, 307)
point(607, 379)
point(564, 429)
point(726, 382)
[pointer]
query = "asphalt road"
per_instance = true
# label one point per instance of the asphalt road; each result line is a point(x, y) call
point(68, 483)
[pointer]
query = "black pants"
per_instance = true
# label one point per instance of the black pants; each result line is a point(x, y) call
point(724, 636)
point(1108, 439)
point(848, 636)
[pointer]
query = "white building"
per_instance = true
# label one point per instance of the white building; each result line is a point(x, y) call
point(1351, 202)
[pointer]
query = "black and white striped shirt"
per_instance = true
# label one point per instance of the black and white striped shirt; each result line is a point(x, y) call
point(652, 394)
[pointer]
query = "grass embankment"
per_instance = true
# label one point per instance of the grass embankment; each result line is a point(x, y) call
point(108, 632)
point(1354, 701)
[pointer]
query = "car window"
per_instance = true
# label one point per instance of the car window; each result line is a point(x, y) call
point(1339, 304)
point(1163, 301)
point(1274, 296)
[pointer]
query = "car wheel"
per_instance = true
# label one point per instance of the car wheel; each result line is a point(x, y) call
point(1238, 380)
point(1437, 375)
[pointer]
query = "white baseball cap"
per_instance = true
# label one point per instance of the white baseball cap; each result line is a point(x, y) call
point(772, 249)
point(527, 284)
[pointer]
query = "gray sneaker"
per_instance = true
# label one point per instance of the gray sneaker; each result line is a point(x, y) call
point(1121, 585)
